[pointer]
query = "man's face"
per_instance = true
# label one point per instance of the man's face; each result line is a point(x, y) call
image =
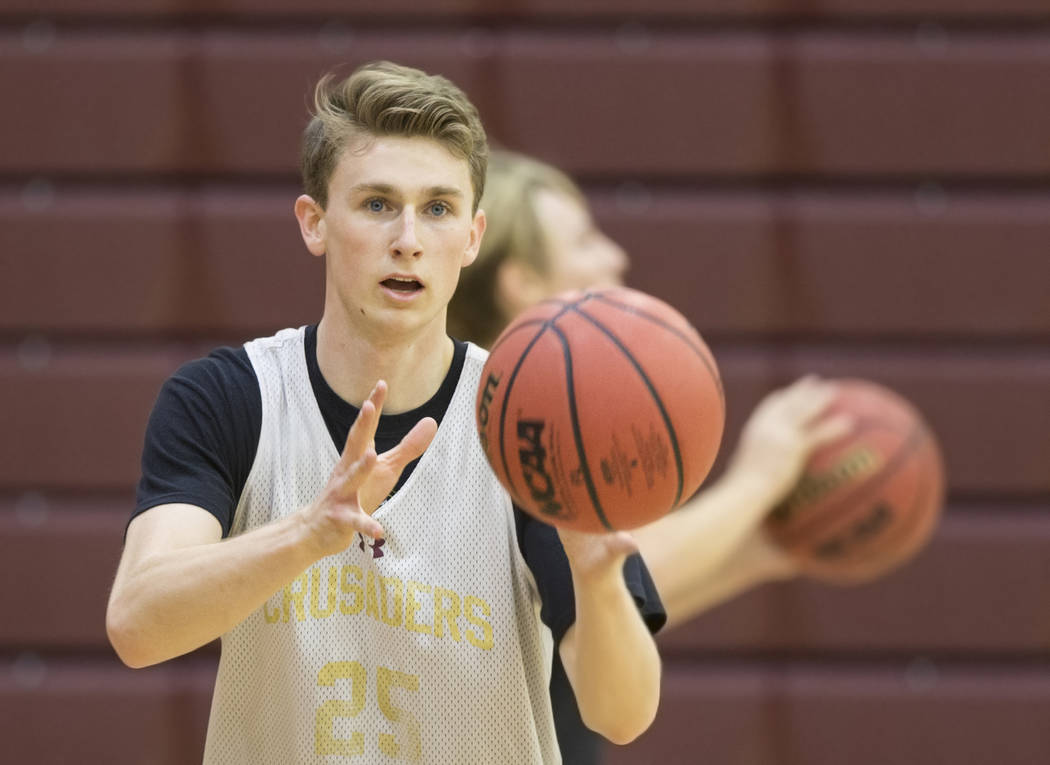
point(397, 230)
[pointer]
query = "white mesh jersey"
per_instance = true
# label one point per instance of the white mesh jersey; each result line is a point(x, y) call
point(426, 648)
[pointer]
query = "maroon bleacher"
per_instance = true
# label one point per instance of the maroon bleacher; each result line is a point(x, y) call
point(852, 187)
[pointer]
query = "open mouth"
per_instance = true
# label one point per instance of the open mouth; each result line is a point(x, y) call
point(401, 285)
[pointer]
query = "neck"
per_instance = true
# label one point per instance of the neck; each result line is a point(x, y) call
point(413, 368)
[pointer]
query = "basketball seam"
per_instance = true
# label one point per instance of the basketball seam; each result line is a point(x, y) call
point(576, 433)
point(863, 561)
point(545, 325)
point(511, 330)
point(652, 391)
point(863, 425)
point(817, 524)
point(506, 401)
point(913, 521)
point(704, 357)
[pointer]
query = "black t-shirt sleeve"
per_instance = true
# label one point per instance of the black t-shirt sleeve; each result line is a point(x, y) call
point(541, 547)
point(202, 436)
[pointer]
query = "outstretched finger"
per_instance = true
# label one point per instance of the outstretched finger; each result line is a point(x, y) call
point(378, 395)
point(412, 445)
point(362, 433)
point(359, 439)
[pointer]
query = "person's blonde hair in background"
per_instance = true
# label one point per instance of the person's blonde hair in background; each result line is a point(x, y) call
point(536, 216)
point(541, 240)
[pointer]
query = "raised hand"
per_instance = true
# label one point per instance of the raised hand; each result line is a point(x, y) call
point(390, 464)
point(361, 479)
point(785, 428)
point(336, 515)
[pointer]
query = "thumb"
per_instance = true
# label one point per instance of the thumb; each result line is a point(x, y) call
point(413, 444)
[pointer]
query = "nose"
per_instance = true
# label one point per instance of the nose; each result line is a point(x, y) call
point(406, 242)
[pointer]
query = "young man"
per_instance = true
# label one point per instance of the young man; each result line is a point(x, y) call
point(374, 602)
point(542, 240)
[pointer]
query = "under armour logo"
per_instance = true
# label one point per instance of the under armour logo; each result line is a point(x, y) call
point(376, 545)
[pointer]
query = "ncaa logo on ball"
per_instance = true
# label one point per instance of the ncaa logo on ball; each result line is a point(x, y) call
point(533, 457)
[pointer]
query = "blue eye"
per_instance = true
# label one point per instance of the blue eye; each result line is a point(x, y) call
point(438, 209)
point(375, 205)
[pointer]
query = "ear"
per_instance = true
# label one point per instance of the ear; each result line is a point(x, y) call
point(477, 230)
point(311, 224)
point(519, 286)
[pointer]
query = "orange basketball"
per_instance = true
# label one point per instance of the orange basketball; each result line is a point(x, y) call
point(868, 502)
point(600, 410)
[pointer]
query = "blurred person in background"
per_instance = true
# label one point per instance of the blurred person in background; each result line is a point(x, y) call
point(541, 239)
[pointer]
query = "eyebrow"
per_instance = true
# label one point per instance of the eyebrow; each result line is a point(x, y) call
point(385, 188)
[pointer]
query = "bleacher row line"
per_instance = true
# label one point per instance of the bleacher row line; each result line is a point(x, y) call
point(677, 105)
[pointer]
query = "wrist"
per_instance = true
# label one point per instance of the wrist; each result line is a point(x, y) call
point(304, 537)
point(754, 486)
point(598, 582)
point(596, 558)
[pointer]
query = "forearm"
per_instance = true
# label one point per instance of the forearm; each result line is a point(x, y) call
point(755, 561)
point(686, 548)
point(612, 660)
point(172, 602)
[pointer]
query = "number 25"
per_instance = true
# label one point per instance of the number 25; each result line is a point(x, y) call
point(409, 748)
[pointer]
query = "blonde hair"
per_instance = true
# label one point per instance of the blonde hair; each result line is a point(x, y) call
point(513, 232)
point(387, 99)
